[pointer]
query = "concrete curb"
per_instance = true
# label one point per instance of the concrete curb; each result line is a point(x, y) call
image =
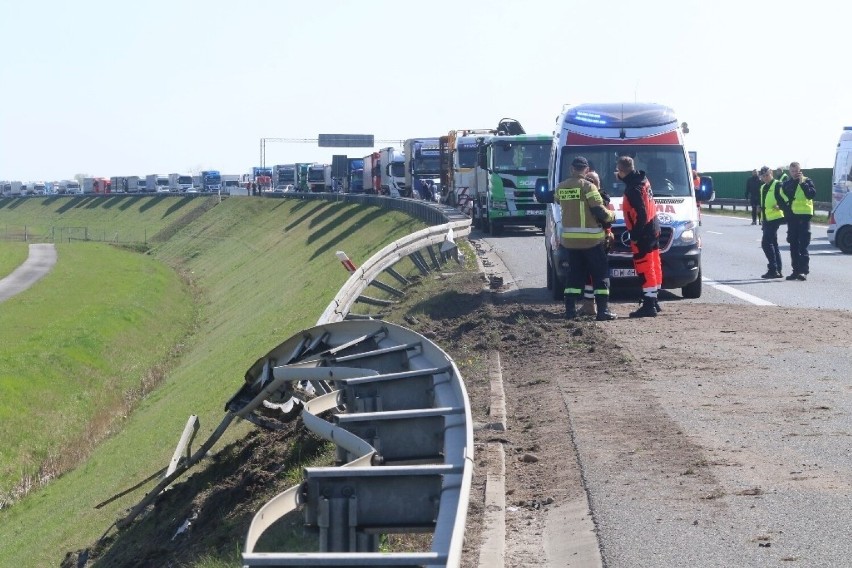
point(497, 407)
point(493, 550)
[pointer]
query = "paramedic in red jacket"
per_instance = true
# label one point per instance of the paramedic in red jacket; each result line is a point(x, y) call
point(640, 217)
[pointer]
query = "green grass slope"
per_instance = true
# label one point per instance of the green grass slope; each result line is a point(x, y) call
point(260, 270)
point(72, 349)
point(118, 218)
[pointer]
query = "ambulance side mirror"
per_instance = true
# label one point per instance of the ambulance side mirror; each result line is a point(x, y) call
point(705, 192)
point(543, 193)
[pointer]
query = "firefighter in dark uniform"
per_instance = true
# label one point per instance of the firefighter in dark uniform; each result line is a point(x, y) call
point(583, 236)
point(640, 218)
point(797, 201)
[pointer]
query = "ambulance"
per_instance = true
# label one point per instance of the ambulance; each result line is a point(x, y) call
point(651, 134)
point(841, 176)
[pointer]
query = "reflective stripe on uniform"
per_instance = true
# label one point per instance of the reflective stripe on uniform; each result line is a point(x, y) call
point(582, 234)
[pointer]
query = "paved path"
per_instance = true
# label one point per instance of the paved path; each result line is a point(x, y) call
point(41, 259)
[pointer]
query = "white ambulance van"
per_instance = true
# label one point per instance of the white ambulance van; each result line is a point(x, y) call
point(650, 134)
point(840, 224)
point(841, 176)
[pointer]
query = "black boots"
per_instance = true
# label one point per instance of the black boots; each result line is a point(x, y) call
point(570, 307)
point(648, 308)
point(602, 304)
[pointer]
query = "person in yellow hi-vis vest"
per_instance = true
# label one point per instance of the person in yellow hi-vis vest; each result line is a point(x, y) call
point(797, 201)
point(583, 236)
point(771, 217)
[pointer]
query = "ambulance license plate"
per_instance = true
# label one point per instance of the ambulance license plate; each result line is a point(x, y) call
point(622, 272)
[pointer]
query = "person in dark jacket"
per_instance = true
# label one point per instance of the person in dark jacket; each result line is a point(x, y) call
point(797, 201)
point(640, 217)
point(752, 193)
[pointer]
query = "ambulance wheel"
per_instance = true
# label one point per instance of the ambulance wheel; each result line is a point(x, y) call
point(844, 239)
point(692, 291)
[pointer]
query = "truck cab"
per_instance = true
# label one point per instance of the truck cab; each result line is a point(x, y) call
point(652, 136)
point(211, 181)
point(157, 183)
point(316, 178)
point(392, 170)
point(231, 184)
point(504, 181)
point(423, 167)
point(283, 176)
point(180, 182)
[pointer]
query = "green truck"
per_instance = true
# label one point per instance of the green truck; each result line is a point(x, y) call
point(302, 176)
point(507, 170)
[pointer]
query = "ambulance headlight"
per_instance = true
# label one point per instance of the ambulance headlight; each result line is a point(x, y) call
point(686, 234)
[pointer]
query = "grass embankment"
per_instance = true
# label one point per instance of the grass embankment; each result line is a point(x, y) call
point(11, 256)
point(76, 350)
point(118, 218)
point(262, 269)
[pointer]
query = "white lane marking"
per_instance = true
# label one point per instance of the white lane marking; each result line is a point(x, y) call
point(738, 293)
point(715, 233)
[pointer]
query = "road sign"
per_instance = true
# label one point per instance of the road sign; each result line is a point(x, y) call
point(346, 141)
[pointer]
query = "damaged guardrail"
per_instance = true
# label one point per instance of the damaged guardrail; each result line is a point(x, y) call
point(406, 440)
point(400, 418)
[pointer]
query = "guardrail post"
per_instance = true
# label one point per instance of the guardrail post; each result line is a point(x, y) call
point(399, 277)
point(183, 448)
point(419, 262)
point(387, 288)
point(435, 264)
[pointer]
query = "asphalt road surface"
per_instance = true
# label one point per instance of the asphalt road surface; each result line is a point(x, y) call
point(41, 259)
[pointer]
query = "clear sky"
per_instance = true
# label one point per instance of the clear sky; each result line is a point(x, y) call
point(106, 87)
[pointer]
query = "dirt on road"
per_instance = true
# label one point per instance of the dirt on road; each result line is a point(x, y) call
point(561, 380)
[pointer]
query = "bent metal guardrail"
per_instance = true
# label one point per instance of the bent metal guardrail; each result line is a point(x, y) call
point(405, 437)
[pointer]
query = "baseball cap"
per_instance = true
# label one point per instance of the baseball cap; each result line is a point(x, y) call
point(764, 170)
point(580, 162)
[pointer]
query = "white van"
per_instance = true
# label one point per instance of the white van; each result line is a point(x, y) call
point(840, 225)
point(841, 176)
point(651, 135)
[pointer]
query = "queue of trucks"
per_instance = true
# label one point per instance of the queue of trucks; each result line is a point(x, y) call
point(206, 181)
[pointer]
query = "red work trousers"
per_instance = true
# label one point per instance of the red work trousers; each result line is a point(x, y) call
point(648, 266)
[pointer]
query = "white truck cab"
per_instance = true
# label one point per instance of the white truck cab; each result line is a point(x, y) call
point(392, 169)
point(651, 134)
